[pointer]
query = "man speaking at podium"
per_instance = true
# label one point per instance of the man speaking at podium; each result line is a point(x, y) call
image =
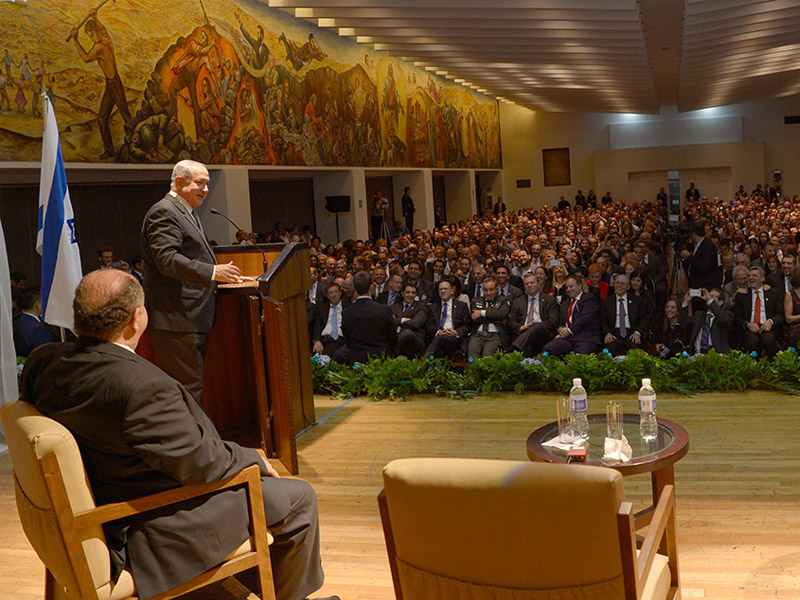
point(181, 275)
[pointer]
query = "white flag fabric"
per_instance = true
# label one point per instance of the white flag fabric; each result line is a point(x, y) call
point(8, 356)
point(55, 240)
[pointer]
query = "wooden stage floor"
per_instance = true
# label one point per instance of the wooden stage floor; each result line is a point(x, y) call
point(738, 489)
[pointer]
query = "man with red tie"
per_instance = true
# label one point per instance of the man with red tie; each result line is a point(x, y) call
point(580, 332)
point(759, 316)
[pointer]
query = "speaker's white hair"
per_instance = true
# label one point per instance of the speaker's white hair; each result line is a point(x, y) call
point(185, 170)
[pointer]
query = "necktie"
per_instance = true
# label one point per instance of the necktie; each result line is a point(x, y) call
point(502, 292)
point(705, 337)
point(443, 320)
point(531, 304)
point(405, 309)
point(757, 311)
point(199, 224)
point(479, 290)
point(623, 331)
point(392, 298)
point(569, 312)
point(335, 324)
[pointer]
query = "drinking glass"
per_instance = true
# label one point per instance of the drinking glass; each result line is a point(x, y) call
point(564, 417)
point(614, 420)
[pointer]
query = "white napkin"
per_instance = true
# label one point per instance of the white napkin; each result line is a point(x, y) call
point(617, 450)
point(555, 443)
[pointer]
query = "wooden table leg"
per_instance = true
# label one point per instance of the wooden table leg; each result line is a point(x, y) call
point(659, 479)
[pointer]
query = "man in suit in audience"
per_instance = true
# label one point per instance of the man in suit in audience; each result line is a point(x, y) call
point(759, 316)
point(29, 331)
point(326, 337)
point(504, 286)
point(141, 432)
point(414, 275)
point(654, 268)
point(700, 262)
point(710, 328)
point(379, 278)
point(780, 281)
point(489, 316)
point(393, 293)
point(367, 325)
point(622, 316)
point(475, 286)
point(410, 317)
point(580, 318)
point(448, 322)
point(181, 275)
point(316, 293)
point(533, 319)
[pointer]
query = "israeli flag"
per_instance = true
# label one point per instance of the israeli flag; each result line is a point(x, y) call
point(55, 240)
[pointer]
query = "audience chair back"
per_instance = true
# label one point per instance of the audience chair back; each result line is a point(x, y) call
point(475, 529)
point(61, 521)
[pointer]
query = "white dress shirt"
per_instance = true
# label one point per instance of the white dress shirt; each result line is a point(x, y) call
point(328, 326)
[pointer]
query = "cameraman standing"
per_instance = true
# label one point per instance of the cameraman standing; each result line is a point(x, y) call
point(701, 263)
point(377, 215)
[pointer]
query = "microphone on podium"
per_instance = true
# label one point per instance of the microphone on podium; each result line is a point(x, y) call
point(214, 211)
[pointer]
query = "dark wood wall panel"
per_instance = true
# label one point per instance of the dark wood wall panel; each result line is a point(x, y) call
point(290, 201)
point(107, 214)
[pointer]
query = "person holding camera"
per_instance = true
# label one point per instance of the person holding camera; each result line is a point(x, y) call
point(710, 327)
point(700, 263)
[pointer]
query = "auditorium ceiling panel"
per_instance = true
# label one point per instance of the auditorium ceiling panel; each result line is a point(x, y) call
point(584, 55)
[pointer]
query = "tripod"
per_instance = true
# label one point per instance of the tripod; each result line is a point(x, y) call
point(676, 278)
point(385, 230)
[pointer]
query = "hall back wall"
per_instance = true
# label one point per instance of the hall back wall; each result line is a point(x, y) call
point(225, 82)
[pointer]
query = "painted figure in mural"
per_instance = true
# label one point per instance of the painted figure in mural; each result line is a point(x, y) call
point(102, 51)
point(186, 68)
point(36, 89)
point(391, 96)
point(260, 50)
point(25, 67)
point(21, 100)
point(8, 62)
point(210, 115)
point(301, 55)
point(4, 99)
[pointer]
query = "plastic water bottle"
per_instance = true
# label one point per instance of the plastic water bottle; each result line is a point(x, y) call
point(648, 426)
point(578, 408)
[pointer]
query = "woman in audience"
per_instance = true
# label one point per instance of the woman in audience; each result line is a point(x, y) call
point(559, 280)
point(672, 333)
point(543, 277)
point(791, 307)
point(772, 265)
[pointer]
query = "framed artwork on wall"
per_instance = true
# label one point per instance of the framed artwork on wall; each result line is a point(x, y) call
point(556, 167)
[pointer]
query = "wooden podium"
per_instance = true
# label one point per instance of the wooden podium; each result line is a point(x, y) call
point(257, 386)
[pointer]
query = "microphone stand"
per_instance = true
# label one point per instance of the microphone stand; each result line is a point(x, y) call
point(214, 211)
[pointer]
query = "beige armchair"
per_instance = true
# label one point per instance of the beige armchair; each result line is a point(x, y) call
point(62, 523)
point(477, 529)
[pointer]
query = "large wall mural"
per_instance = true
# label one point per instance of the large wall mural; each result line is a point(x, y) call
point(228, 82)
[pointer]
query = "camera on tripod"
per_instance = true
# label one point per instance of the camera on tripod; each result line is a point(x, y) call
point(678, 236)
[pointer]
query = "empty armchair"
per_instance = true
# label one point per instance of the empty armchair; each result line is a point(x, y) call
point(475, 529)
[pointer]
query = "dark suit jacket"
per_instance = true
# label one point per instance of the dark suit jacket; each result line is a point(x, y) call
point(383, 297)
point(140, 432)
point(178, 266)
point(513, 291)
point(655, 269)
point(368, 329)
point(548, 311)
point(461, 318)
point(585, 318)
point(743, 306)
point(777, 281)
point(701, 267)
point(496, 313)
point(634, 308)
point(417, 318)
point(720, 326)
point(29, 333)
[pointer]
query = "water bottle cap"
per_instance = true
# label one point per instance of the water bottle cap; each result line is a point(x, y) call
point(576, 381)
point(645, 383)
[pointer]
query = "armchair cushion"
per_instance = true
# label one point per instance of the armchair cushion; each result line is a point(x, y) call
point(547, 528)
point(32, 436)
